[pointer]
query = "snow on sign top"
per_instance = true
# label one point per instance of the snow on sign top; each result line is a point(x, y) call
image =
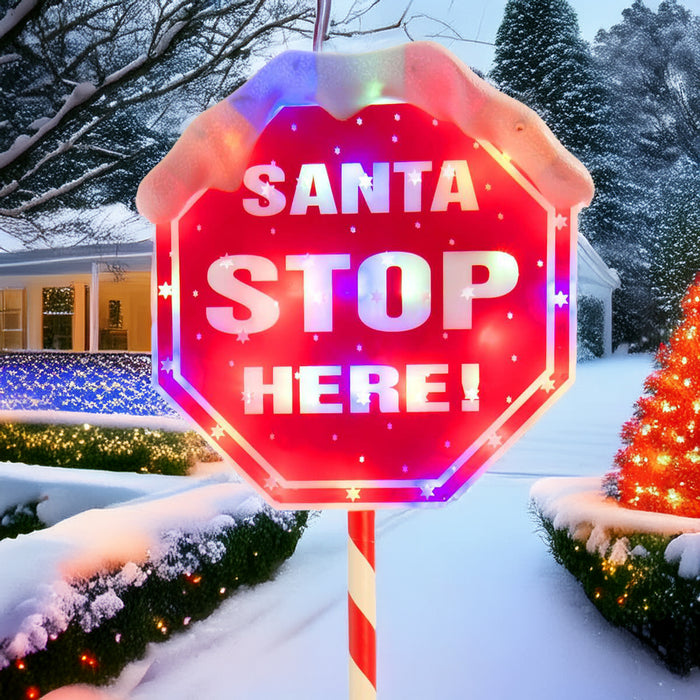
point(363, 302)
point(213, 152)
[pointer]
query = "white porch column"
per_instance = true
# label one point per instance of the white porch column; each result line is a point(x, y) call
point(95, 308)
point(607, 322)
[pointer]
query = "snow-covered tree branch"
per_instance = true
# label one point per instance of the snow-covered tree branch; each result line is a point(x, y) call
point(94, 93)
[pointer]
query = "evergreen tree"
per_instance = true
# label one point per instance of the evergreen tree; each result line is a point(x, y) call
point(676, 247)
point(651, 64)
point(659, 467)
point(542, 60)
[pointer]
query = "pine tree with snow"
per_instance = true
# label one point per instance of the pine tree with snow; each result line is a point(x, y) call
point(658, 469)
point(650, 61)
point(676, 253)
point(542, 61)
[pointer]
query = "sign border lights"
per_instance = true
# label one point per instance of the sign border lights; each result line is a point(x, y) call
point(213, 154)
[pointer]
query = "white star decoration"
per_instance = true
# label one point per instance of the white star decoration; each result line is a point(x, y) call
point(560, 299)
point(365, 181)
point(242, 336)
point(448, 171)
point(353, 494)
point(226, 263)
point(167, 365)
point(265, 189)
point(467, 292)
point(363, 398)
point(165, 290)
point(359, 121)
point(495, 440)
point(415, 177)
point(560, 221)
point(471, 394)
point(427, 489)
point(548, 385)
point(217, 432)
point(270, 483)
point(195, 293)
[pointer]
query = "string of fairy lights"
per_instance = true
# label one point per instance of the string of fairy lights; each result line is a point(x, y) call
point(102, 383)
point(658, 467)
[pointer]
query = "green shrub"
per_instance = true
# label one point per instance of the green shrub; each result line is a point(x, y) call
point(20, 520)
point(591, 322)
point(167, 600)
point(95, 447)
point(644, 595)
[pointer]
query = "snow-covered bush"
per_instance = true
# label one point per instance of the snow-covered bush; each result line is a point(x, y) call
point(90, 628)
point(640, 569)
point(19, 520)
point(635, 586)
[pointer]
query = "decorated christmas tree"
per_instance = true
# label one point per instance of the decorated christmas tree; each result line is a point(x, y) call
point(658, 469)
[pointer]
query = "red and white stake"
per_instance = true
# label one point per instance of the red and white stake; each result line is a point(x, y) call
point(362, 606)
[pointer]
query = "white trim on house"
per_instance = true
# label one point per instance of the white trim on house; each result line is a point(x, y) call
point(598, 280)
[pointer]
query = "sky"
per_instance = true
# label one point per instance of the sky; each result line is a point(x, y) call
point(479, 20)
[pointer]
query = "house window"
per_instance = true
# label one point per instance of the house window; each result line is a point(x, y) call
point(12, 319)
point(57, 313)
point(115, 313)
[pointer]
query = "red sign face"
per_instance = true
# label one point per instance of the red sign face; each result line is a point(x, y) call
point(374, 316)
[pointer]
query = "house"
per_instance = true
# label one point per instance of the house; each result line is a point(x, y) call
point(97, 297)
point(94, 297)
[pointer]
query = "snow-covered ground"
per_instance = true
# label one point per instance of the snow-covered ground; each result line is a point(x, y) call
point(470, 602)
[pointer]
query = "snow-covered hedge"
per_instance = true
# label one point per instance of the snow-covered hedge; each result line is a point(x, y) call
point(82, 598)
point(108, 383)
point(641, 570)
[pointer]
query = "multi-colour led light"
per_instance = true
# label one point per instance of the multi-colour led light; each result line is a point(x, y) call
point(369, 301)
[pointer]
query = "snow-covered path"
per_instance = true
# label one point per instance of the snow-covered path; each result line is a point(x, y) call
point(470, 603)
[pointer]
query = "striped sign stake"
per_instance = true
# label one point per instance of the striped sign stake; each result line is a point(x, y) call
point(362, 606)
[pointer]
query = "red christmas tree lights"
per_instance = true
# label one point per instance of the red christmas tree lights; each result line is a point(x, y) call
point(658, 469)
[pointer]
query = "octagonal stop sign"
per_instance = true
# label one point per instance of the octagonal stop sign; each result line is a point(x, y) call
point(379, 310)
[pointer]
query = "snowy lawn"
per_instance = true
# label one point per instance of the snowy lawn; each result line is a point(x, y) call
point(470, 603)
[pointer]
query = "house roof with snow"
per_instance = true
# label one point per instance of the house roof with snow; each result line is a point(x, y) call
point(76, 259)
